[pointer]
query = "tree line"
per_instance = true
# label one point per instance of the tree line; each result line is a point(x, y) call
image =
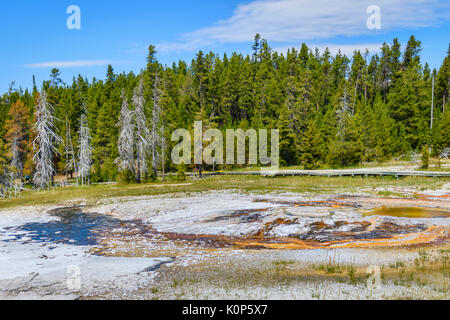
point(330, 109)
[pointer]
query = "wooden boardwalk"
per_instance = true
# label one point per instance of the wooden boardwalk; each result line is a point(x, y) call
point(328, 173)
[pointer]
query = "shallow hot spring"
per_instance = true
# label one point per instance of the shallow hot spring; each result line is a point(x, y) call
point(410, 212)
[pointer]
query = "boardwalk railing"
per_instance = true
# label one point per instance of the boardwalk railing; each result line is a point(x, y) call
point(327, 173)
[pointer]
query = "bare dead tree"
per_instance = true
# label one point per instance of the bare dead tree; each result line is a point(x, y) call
point(84, 151)
point(6, 184)
point(445, 153)
point(44, 143)
point(342, 113)
point(142, 132)
point(125, 161)
point(6, 176)
point(71, 163)
point(6, 179)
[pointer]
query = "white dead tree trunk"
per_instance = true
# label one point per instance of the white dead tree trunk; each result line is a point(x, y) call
point(5, 186)
point(342, 114)
point(142, 132)
point(71, 163)
point(445, 153)
point(6, 181)
point(44, 143)
point(16, 167)
point(84, 151)
point(5, 172)
point(125, 161)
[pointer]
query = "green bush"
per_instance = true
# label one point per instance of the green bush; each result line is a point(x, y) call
point(310, 151)
point(126, 177)
point(181, 173)
point(425, 157)
point(345, 153)
point(150, 177)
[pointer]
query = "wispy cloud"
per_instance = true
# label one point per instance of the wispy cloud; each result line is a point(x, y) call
point(69, 64)
point(303, 20)
point(346, 49)
point(190, 45)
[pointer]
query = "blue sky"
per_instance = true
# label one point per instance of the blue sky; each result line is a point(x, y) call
point(35, 37)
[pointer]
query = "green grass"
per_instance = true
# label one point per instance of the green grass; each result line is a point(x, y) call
point(431, 281)
point(396, 265)
point(386, 193)
point(435, 169)
point(283, 262)
point(154, 290)
point(257, 184)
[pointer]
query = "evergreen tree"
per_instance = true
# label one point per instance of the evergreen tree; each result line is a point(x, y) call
point(411, 55)
point(310, 151)
point(326, 106)
point(443, 84)
point(18, 136)
point(425, 157)
point(442, 133)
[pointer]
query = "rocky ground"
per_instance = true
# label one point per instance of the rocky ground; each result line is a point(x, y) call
point(230, 245)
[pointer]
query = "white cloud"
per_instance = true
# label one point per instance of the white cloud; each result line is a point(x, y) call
point(346, 49)
point(303, 20)
point(69, 64)
point(190, 45)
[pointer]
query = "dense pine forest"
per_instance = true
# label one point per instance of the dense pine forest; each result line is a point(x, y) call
point(330, 110)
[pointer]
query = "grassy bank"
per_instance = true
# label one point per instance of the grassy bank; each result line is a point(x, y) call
point(315, 185)
point(427, 277)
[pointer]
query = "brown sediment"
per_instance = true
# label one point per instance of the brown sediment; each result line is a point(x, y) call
point(431, 235)
point(427, 196)
point(374, 222)
point(240, 213)
point(374, 233)
point(203, 240)
point(271, 225)
point(320, 225)
point(278, 243)
point(134, 239)
point(434, 234)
